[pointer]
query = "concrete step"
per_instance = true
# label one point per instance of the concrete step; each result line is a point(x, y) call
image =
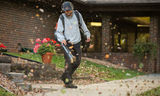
point(25, 86)
point(5, 67)
point(16, 77)
point(5, 59)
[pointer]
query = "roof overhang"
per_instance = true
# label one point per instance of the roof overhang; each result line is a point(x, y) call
point(104, 2)
point(121, 5)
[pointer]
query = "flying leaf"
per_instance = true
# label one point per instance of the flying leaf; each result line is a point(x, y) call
point(63, 91)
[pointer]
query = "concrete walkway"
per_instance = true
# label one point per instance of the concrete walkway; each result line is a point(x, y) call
point(127, 87)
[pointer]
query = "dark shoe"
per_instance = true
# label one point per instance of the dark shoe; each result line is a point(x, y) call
point(66, 80)
point(62, 78)
point(70, 86)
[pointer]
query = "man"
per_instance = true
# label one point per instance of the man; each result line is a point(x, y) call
point(68, 30)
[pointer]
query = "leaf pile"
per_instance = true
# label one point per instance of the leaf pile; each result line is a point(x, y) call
point(11, 86)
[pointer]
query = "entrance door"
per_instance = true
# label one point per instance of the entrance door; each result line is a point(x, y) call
point(126, 31)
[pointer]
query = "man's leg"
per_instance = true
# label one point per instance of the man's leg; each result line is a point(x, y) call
point(67, 75)
point(77, 53)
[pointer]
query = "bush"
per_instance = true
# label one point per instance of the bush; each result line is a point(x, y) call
point(144, 49)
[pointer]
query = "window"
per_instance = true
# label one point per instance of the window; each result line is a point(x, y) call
point(126, 30)
point(96, 33)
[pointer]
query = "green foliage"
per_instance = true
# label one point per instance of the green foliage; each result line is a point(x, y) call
point(5, 93)
point(141, 65)
point(58, 60)
point(153, 92)
point(142, 49)
point(45, 47)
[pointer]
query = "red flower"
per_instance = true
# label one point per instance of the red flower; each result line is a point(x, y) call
point(48, 39)
point(37, 44)
point(36, 47)
point(46, 45)
point(2, 46)
point(54, 41)
point(44, 40)
point(58, 45)
point(38, 40)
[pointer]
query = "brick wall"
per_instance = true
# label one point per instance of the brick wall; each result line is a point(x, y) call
point(127, 60)
point(120, 59)
point(93, 55)
point(154, 37)
point(106, 35)
point(23, 23)
point(158, 52)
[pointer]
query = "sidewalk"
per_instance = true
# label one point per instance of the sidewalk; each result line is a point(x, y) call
point(127, 87)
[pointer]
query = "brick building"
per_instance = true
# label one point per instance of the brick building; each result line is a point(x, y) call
point(23, 22)
point(123, 22)
point(115, 26)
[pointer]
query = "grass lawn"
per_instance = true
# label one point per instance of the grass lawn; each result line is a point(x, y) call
point(5, 93)
point(87, 68)
point(153, 92)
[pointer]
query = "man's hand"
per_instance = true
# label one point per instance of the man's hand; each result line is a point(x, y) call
point(88, 40)
point(64, 42)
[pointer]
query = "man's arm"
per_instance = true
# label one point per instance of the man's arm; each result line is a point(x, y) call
point(59, 32)
point(84, 28)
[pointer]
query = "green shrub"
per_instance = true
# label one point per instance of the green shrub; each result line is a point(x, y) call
point(144, 49)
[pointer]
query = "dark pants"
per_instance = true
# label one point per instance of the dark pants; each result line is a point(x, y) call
point(71, 67)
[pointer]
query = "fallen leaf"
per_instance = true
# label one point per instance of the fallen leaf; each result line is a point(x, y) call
point(128, 94)
point(99, 92)
point(63, 91)
point(37, 15)
point(136, 86)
